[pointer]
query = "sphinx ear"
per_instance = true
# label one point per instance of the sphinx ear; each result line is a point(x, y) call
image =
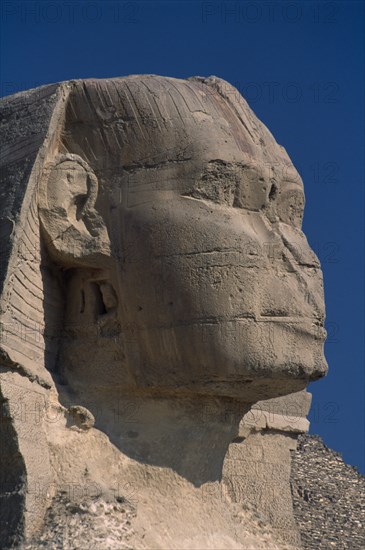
point(73, 231)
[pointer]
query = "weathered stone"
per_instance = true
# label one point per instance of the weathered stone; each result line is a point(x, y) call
point(286, 414)
point(81, 417)
point(155, 280)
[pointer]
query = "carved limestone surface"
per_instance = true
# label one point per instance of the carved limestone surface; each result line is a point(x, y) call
point(161, 310)
point(73, 230)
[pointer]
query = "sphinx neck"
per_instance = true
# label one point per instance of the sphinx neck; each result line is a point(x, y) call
point(189, 435)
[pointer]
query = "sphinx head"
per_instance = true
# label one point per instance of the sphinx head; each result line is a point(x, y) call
point(175, 219)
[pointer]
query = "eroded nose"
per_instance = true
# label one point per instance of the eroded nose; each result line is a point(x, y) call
point(296, 243)
point(306, 266)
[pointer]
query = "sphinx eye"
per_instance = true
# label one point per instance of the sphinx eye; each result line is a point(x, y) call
point(251, 190)
point(70, 177)
point(217, 183)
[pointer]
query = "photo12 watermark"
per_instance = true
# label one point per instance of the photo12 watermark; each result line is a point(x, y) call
point(71, 13)
point(256, 12)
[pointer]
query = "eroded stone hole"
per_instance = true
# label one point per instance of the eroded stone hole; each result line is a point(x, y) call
point(100, 307)
point(80, 201)
point(82, 303)
point(273, 192)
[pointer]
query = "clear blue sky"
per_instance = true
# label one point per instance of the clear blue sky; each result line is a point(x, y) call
point(300, 65)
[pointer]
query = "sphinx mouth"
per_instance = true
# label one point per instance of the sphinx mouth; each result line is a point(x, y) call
point(310, 326)
point(318, 332)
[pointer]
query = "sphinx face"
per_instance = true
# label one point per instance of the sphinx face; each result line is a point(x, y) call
point(223, 289)
point(213, 288)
